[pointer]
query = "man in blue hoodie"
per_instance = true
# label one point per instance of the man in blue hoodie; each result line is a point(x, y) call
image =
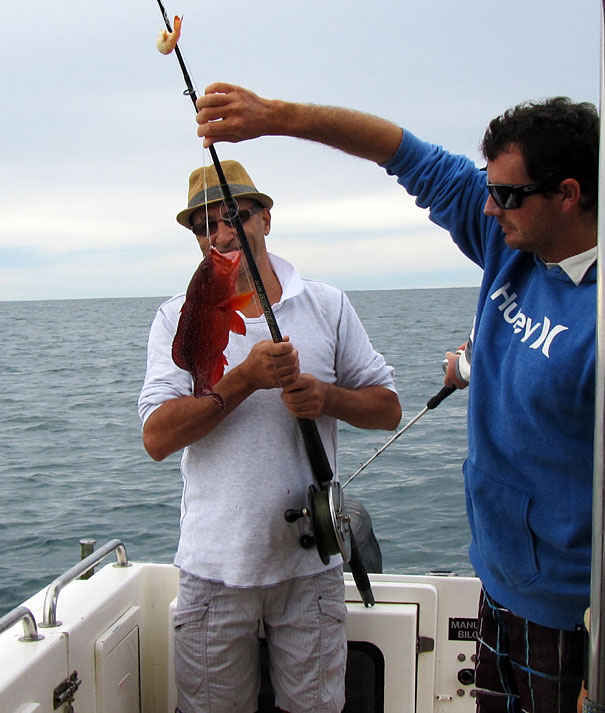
point(530, 222)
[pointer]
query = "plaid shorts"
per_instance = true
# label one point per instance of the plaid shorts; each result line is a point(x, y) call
point(523, 667)
point(217, 652)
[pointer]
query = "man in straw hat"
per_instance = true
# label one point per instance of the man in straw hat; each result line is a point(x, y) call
point(245, 465)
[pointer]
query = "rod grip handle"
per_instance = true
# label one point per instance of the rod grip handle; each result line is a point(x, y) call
point(438, 398)
point(315, 450)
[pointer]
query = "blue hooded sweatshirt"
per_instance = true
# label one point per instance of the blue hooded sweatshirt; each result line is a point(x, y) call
point(528, 474)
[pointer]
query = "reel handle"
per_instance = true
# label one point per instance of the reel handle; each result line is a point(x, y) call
point(292, 515)
point(307, 541)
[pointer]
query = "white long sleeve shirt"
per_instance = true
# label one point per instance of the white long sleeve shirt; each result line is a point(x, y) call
point(240, 479)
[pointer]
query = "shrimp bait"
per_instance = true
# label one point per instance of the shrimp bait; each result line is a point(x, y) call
point(166, 41)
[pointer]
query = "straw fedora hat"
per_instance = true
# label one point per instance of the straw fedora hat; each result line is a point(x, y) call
point(205, 189)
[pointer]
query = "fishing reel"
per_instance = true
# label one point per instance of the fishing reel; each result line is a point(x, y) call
point(330, 524)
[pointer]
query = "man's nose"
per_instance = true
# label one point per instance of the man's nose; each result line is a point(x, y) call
point(225, 234)
point(491, 207)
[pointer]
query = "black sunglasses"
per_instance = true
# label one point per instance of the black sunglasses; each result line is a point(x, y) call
point(206, 229)
point(510, 195)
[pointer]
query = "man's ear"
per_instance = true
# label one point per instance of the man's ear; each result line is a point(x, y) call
point(570, 192)
point(266, 216)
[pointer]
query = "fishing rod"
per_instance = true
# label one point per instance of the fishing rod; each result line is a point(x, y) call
point(332, 533)
point(432, 403)
point(231, 203)
point(312, 440)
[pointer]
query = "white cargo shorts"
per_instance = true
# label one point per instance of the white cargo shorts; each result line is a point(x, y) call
point(216, 635)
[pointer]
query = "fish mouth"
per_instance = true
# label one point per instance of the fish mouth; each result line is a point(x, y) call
point(225, 263)
point(233, 255)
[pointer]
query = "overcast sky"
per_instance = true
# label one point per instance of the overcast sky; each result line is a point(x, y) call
point(98, 139)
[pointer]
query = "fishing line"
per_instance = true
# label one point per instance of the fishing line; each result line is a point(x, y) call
point(312, 440)
point(206, 219)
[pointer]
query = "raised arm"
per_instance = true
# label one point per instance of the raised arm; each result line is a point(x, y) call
point(231, 113)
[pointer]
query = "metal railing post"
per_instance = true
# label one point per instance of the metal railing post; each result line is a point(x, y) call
point(52, 593)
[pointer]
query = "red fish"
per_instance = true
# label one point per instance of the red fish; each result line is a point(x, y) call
point(207, 316)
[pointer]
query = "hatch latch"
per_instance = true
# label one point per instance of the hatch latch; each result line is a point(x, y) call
point(66, 691)
point(424, 644)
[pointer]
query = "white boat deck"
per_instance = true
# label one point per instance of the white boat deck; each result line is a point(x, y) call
point(414, 646)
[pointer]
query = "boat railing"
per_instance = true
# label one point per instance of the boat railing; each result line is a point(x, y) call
point(30, 629)
point(88, 563)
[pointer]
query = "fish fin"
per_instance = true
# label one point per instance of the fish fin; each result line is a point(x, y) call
point(237, 324)
point(219, 370)
point(235, 302)
point(178, 351)
point(240, 301)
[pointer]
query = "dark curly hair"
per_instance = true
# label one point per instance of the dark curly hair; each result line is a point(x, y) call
point(558, 140)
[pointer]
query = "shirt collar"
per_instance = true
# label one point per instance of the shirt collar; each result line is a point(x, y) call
point(289, 279)
point(576, 266)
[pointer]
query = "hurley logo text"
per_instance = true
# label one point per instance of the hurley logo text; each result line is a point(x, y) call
point(542, 333)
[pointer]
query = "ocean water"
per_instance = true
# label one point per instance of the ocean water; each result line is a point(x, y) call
point(72, 463)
